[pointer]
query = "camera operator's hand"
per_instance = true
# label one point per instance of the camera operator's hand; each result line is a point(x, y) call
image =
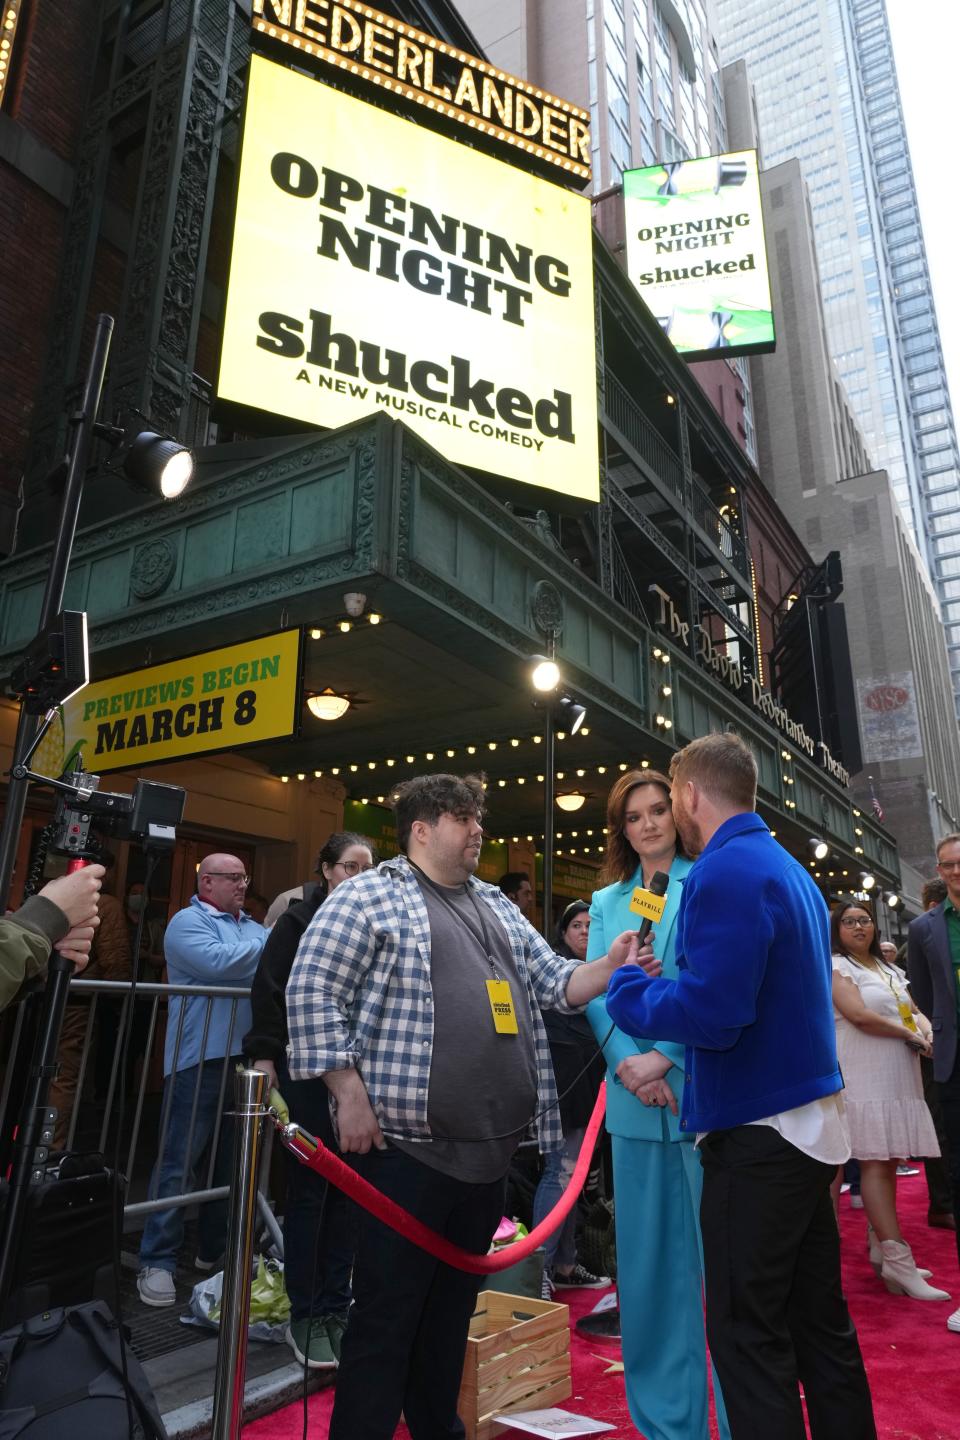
point(77, 895)
point(75, 946)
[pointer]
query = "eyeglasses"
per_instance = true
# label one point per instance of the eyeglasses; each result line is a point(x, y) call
point(236, 877)
point(948, 864)
point(859, 921)
point(351, 867)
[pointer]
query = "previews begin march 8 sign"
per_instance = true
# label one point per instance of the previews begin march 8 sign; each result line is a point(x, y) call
point(380, 266)
point(696, 253)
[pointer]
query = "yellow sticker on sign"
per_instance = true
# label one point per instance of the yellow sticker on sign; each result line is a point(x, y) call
point(501, 1007)
point(217, 700)
point(645, 903)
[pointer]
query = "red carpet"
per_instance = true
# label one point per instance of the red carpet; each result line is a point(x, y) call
point(912, 1360)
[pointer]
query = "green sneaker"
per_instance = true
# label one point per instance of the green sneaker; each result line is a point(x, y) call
point(310, 1343)
point(336, 1324)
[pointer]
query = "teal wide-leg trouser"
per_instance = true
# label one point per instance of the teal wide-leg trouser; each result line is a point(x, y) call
point(660, 1278)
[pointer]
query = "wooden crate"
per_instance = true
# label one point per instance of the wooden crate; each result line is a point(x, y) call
point(518, 1358)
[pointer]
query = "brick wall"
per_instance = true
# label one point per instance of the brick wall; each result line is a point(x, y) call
point(46, 103)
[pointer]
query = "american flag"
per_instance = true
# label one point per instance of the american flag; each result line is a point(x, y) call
point(875, 803)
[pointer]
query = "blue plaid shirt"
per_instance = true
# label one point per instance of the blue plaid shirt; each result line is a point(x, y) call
point(359, 995)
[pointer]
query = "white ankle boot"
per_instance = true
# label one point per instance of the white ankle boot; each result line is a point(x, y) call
point(876, 1255)
point(900, 1274)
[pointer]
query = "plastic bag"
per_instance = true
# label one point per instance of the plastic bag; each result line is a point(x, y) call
point(269, 1305)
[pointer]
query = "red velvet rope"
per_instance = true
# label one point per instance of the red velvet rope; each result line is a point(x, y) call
point(339, 1173)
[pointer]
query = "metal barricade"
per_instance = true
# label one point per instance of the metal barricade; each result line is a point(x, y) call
point(151, 1142)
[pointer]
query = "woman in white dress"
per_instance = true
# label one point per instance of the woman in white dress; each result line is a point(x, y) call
point(880, 1037)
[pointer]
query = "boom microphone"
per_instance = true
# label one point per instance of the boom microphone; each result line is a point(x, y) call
point(651, 909)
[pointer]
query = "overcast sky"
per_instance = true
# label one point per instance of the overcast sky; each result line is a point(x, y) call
point(926, 43)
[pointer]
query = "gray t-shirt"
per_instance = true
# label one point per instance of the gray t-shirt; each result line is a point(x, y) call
point(481, 1083)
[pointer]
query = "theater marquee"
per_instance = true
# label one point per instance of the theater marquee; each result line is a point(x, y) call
point(420, 68)
point(378, 265)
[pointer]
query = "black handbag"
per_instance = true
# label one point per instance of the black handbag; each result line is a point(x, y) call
point(67, 1249)
point(62, 1376)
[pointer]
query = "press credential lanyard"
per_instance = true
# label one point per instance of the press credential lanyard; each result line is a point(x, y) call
point(498, 989)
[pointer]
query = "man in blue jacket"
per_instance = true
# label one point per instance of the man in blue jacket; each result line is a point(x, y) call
point(752, 1004)
point(212, 942)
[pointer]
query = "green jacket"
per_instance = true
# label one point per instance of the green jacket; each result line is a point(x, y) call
point(26, 939)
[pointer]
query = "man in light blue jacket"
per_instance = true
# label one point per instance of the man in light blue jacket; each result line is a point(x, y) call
point(211, 942)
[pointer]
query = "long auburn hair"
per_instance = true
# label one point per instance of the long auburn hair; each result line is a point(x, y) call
point(620, 862)
point(836, 934)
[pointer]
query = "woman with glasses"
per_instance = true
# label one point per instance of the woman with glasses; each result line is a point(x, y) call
point(657, 1177)
point(880, 1038)
point(578, 1070)
point(317, 1261)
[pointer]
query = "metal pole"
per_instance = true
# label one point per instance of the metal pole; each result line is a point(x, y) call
point(83, 421)
point(235, 1300)
point(548, 803)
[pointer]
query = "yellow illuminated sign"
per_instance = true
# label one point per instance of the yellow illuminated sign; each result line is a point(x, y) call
point(418, 67)
point(218, 700)
point(378, 265)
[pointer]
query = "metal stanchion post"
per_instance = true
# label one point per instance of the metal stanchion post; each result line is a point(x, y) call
point(235, 1302)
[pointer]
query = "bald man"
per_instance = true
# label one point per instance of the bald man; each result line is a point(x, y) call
point(209, 943)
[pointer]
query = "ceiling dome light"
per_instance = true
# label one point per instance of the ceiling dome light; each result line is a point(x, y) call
point(571, 800)
point(328, 705)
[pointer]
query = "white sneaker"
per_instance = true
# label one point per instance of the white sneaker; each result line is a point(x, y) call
point(954, 1322)
point(156, 1287)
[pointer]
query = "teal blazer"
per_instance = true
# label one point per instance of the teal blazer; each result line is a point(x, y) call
point(610, 915)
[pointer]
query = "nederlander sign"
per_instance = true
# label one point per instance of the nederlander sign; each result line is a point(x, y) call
point(729, 671)
point(418, 67)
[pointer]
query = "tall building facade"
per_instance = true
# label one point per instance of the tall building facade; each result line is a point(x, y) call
point(814, 461)
point(827, 95)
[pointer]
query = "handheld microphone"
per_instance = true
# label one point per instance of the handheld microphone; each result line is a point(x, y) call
point(658, 887)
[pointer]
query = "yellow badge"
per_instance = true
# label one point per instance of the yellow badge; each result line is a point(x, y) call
point(645, 903)
point(501, 1007)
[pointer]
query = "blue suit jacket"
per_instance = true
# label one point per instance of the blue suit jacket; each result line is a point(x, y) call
point(752, 998)
point(610, 915)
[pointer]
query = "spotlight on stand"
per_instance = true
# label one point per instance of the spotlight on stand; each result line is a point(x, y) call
point(570, 715)
point(819, 849)
point(545, 675)
point(152, 462)
point(867, 880)
point(894, 901)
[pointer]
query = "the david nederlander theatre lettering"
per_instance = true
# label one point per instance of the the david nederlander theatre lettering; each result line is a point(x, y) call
point(406, 243)
point(417, 66)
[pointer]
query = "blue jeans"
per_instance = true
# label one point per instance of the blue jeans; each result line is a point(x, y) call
point(175, 1170)
point(560, 1248)
point(319, 1222)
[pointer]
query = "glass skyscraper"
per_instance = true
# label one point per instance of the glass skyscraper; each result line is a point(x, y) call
point(826, 92)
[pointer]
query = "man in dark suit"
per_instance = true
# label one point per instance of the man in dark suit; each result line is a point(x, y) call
point(933, 960)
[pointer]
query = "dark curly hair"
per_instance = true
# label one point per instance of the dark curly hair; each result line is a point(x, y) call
point(427, 797)
point(332, 850)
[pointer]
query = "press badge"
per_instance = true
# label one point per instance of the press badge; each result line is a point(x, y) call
point(645, 903)
point(501, 1007)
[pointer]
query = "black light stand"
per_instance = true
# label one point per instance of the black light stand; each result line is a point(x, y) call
point(35, 1133)
point(83, 422)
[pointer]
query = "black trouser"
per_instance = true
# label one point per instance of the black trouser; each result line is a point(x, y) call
point(939, 1189)
point(316, 1266)
point(407, 1334)
point(949, 1091)
point(776, 1316)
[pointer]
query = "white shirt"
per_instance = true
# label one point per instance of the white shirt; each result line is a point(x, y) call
point(819, 1129)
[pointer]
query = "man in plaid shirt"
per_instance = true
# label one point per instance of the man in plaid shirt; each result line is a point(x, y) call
point(416, 993)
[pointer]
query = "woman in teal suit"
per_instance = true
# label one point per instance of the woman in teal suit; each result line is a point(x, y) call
point(656, 1171)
